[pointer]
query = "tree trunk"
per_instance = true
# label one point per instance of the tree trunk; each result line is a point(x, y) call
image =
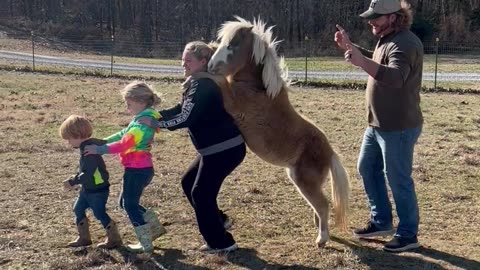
point(11, 8)
point(100, 15)
point(299, 23)
point(290, 23)
point(444, 12)
point(146, 21)
point(156, 26)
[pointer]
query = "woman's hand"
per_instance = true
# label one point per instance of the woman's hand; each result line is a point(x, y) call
point(147, 121)
point(91, 149)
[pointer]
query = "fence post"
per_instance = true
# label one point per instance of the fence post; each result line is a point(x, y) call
point(33, 51)
point(306, 58)
point(436, 63)
point(111, 55)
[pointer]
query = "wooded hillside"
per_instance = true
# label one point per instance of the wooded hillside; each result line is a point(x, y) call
point(145, 21)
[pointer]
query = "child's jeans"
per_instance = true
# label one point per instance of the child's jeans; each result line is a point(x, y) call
point(134, 182)
point(96, 201)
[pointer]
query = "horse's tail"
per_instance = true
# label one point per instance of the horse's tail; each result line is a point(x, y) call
point(340, 191)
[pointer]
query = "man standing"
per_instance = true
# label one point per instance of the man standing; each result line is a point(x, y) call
point(394, 120)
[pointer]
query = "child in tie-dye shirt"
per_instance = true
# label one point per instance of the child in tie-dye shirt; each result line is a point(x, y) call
point(133, 145)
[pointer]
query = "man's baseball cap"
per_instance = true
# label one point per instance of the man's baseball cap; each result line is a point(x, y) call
point(379, 8)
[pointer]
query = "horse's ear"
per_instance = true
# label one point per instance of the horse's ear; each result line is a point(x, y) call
point(246, 30)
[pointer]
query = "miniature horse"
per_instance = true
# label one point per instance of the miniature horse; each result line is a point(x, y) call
point(256, 95)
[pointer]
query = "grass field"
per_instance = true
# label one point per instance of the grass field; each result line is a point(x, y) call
point(272, 224)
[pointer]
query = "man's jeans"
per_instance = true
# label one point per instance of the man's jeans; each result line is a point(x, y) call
point(388, 155)
point(96, 201)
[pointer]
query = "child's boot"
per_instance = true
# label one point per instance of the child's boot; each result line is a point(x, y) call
point(156, 228)
point(83, 238)
point(143, 235)
point(114, 239)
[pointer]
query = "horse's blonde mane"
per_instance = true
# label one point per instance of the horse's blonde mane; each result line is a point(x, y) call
point(274, 73)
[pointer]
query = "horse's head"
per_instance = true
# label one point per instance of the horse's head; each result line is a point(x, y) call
point(248, 47)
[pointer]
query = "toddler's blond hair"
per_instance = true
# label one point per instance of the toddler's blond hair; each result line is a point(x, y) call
point(76, 127)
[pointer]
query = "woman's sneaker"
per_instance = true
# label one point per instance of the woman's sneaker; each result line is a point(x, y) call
point(372, 231)
point(398, 244)
point(207, 249)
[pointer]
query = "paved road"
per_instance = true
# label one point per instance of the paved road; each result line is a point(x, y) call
point(175, 70)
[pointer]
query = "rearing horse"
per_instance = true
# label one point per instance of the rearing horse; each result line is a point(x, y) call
point(256, 95)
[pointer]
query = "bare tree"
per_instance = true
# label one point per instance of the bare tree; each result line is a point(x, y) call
point(148, 20)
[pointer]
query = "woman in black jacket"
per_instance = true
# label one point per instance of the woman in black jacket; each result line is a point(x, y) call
point(220, 146)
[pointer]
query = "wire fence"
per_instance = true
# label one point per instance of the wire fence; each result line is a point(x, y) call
point(173, 48)
point(308, 60)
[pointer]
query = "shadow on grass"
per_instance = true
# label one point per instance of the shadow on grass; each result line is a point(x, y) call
point(86, 257)
point(247, 258)
point(374, 258)
point(421, 258)
point(171, 259)
point(4, 261)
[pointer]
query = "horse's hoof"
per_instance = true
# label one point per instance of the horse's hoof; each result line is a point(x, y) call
point(321, 244)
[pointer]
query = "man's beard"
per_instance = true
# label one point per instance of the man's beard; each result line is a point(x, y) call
point(384, 29)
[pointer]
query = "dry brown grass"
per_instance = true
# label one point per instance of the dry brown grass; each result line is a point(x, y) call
point(272, 223)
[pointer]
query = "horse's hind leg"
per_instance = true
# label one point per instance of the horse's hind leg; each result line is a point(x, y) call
point(315, 219)
point(309, 183)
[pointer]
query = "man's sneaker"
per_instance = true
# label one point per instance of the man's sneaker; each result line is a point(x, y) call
point(372, 231)
point(207, 249)
point(398, 244)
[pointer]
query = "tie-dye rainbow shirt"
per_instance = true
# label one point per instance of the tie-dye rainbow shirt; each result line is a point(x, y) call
point(133, 143)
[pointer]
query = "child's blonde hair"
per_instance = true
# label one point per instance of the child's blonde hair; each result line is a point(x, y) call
point(76, 127)
point(141, 92)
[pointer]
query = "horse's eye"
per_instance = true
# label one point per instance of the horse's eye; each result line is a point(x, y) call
point(230, 47)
